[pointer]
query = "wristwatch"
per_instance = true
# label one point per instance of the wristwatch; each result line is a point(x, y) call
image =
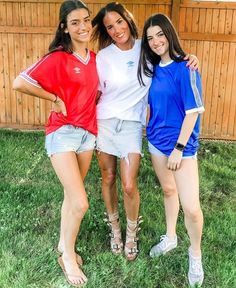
point(179, 147)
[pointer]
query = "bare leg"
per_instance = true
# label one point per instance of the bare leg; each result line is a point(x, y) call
point(129, 173)
point(107, 164)
point(84, 160)
point(186, 179)
point(171, 200)
point(188, 186)
point(76, 199)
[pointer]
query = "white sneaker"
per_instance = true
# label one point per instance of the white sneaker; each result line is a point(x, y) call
point(166, 244)
point(195, 272)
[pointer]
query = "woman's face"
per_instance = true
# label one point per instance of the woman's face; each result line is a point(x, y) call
point(79, 26)
point(118, 29)
point(158, 42)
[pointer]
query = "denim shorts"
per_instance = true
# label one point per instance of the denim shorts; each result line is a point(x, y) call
point(119, 137)
point(153, 150)
point(69, 138)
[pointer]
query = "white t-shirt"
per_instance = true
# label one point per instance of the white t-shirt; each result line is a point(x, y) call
point(122, 95)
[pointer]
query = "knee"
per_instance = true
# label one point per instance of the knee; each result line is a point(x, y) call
point(79, 208)
point(193, 214)
point(109, 178)
point(130, 189)
point(169, 190)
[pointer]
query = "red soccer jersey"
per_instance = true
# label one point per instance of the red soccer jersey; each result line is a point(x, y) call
point(75, 81)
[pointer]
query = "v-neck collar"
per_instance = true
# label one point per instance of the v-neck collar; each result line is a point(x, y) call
point(81, 59)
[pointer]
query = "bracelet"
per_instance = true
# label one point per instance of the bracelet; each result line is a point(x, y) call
point(179, 147)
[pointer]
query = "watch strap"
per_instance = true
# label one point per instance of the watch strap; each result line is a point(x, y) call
point(179, 146)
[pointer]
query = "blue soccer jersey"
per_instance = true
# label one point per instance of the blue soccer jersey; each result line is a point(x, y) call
point(175, 91)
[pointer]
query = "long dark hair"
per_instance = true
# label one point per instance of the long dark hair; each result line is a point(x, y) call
point(62, 40)
point(100, 32)
point(147, 56)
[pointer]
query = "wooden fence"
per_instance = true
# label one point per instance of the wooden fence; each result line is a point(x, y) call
point(206, 29)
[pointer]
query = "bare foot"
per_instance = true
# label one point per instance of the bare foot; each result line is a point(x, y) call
point(74, 275)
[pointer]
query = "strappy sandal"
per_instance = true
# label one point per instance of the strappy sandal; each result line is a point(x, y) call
point(79, 259)
point(67, 276)
point(116, 242)
point(131, 243)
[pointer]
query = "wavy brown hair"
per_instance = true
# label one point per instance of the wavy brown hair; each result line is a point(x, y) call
point(62, 40)
point(100, 34)
point(147, 56)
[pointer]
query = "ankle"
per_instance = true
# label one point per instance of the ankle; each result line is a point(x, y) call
point(114, 220)
point(69, 257)
point(196, 252)
point(171, 236)
point(132, 224)
point(112, 217)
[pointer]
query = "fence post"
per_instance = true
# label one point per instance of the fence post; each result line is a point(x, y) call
point(175, 6)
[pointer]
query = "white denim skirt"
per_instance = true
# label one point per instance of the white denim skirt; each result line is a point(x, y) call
point(119, 137)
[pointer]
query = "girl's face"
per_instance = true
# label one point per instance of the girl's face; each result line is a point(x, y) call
point(79, 26)
point(118, 30)
point(158, 42)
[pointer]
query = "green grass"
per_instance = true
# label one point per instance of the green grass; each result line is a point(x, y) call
point(30, 198)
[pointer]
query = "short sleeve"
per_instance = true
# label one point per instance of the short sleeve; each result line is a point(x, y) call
point(42, 73)
point(191, 90)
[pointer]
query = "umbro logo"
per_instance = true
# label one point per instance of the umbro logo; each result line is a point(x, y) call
point(130, 63)
point(77, 70)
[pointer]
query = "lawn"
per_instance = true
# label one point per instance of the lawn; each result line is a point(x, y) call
point(30, 199)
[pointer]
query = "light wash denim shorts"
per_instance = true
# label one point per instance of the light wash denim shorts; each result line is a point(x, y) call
point(69, 138)
point(153, 150)
point(119, 137)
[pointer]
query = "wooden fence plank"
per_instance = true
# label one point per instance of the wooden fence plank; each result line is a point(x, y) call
point(202, 20)
point(204, 69)
point(209, 87)
point(22, 55)
point(228, 21)
point(182, 17)
point(195, 22)
point(6, 79)
point(228, 91)
point(17, 68)
point(215, 21)
point(188, 20)
point(208, 23)
point(3, 14)
point(222, 88)
point(234, 22)
point(2, 85)
point(9, 9)
point(221, 22)
point(231, 129)
point(199, 54)
point(11, 72)
point(216, 85)
point(175, 11)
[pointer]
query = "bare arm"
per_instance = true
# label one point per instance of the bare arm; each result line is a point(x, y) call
point(21, 85)
point(175, 157)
